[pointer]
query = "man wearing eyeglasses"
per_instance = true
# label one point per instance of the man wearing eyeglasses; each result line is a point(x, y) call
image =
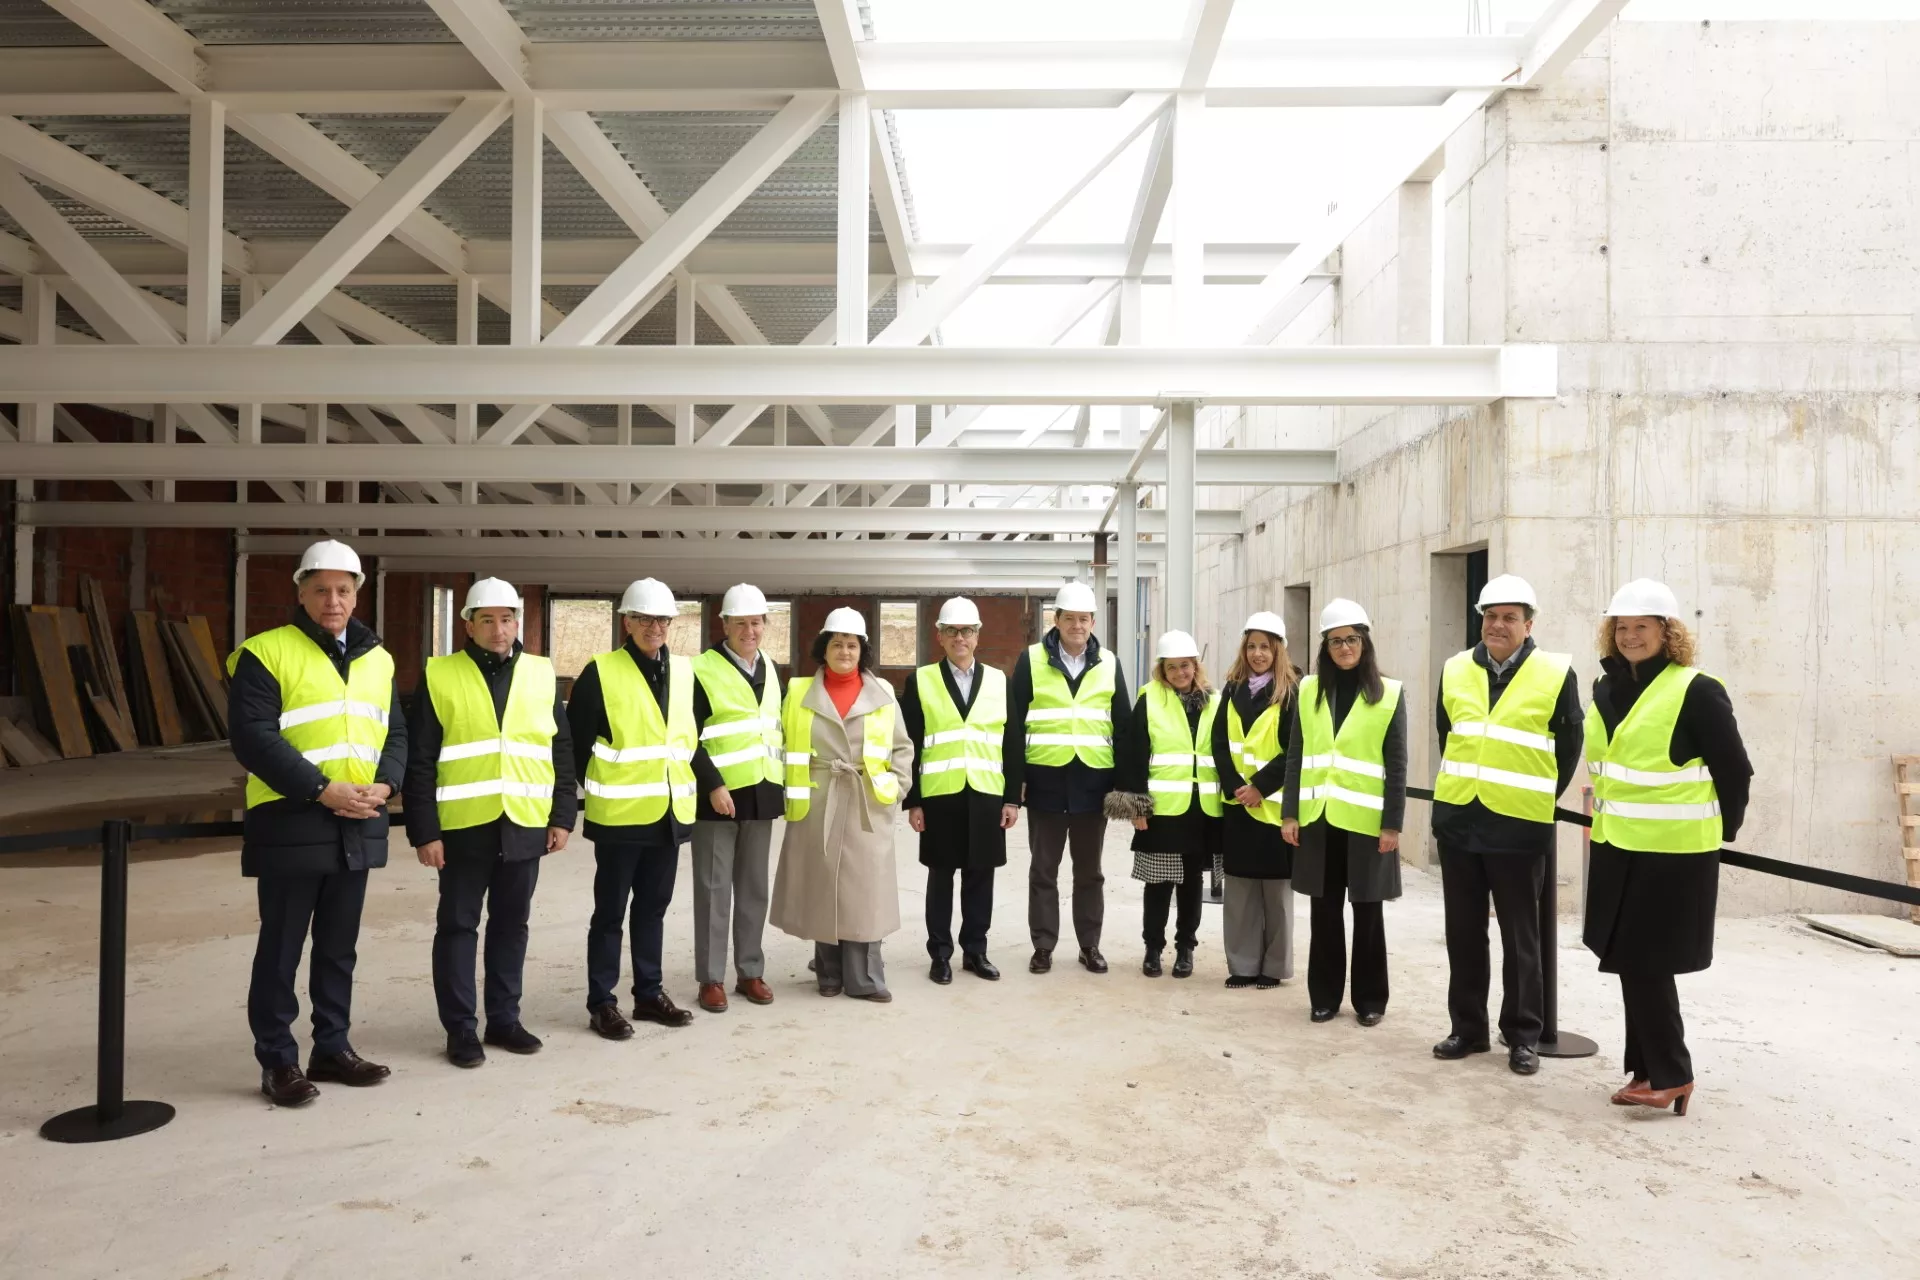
point(634, 737)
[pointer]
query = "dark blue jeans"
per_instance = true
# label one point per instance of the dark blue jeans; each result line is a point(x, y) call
point(644, 874)
point(506, 890)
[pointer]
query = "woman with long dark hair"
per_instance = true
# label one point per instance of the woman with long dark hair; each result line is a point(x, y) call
point(1345, 797)
point(1257, 718)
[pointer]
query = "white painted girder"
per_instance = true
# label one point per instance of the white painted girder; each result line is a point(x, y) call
point(747, 553)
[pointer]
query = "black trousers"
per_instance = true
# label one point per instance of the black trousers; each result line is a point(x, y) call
point(644, 874)
point(1159, 897)
point(1514, 880)
point(976, 910)
point(1656, 1037)
point(291, 908)
point(1327, 953)
point(1048, 837)
point(506, 890)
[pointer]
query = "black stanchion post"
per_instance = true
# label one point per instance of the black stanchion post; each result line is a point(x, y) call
point(111, 1116)
point(1555, 1043)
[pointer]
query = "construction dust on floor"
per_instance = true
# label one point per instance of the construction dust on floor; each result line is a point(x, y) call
point(1070, 1124)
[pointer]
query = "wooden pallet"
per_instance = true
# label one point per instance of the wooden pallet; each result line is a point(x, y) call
point(1906, 786)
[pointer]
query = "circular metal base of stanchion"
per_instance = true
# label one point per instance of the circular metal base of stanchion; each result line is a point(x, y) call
point(83, 1124)
point(1567, 1045)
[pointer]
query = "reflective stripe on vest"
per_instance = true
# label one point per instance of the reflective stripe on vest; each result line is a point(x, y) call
point(876, 752)
point(647, 761)
point(1253, 750)
point(1503, 756)
point(339, 725)
point(488, 766)
point(1063, 725)
point(958, 751)
point(1641, 799)
point(1179, 760)
point(1343, 775)
point(742, 738)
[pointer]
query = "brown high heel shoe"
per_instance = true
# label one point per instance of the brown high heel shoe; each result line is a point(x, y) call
point(1635, 1085)
point(1661, 1099)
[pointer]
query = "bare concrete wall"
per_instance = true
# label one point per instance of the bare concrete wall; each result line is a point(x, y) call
point(1716, 223)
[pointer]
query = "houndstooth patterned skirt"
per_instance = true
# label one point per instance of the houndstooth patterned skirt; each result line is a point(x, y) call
point(1165, 868)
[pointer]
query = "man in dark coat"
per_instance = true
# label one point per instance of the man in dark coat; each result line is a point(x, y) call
point(321, 765)
point(962, 830)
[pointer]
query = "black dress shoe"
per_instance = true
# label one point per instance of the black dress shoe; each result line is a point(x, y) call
point(1092, 961)
point(1369, 1018)
point(1042, 962)
point(1265, 983)
point(1183, 962)
point(606, 1021)
point(1522, 1060)
point(287, 1087)
point(661, 1010)
point(345, 1067)
point(514, 1039)
point(1325, 1015)
point(1151, 965)
point(941, 972)
point(463, 1049)
point(1237, 981)
point(980, 966)
point(1455, 1047)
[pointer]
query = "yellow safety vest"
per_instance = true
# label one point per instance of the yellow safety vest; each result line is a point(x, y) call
point(1344, 775)
point(1179, 759)
point(648, 759)
point(339, 725)
point(742, 739)
point(1501, 756)
point(1253, 750)
point(492, 766)
point(1641, 800)
point(1063, 725)
point(876, 752)
point(958, 751)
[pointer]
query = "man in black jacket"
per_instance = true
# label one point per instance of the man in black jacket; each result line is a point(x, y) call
point(315, 720)
point(477, 836)
point(1487, 846)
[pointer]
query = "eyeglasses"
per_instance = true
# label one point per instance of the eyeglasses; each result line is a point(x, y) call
point(1345, 642)
point(648, 620)
point(962, 633)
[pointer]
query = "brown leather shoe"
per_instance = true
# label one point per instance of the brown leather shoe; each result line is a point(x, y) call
point(713, 997)
point(754, 989)
point(661, 1010)
point(287, 1087)
point(606, 1021)
point(345, 1067)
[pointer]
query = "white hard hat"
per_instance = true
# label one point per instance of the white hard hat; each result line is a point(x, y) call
point(743, 600)
point(1507, 589)
point(958, 612)
point(1342, 612)
point(651, 597)
point(849, 622)
point(1267, 622)
point(1175, 644)
point(330, 555)
point(1074, 597)
point(1644, 598)
point(490, 593)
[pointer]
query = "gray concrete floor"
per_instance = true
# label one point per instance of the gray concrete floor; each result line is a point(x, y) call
point(1058, 1125)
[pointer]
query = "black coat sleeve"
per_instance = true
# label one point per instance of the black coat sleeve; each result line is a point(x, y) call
point(253, 728)
point(1121, 712)
point(586, 721)
point(1224, 764)
point(1569, 733)
point(566, 784)
point(1131, 749)
point(1290, 799)
point(705, 772)
point(1394, 753)
point(424, 736)
point(393, 755)
point(1443, 723)
point(1013, 747)
point(1274, 776)
point(1707, 715)
point(915, 721)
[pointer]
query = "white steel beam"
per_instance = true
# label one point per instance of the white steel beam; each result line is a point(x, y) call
point(206, 195)
point(1206, 25)
point(494, 39)
point(776, 375)
point(528, 150)
point(1561, 34)
point(143, 36)
point(747, 554)
point(852, 245)
point(119, 311)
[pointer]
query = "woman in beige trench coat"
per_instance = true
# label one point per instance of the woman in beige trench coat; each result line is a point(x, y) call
point(837, 884)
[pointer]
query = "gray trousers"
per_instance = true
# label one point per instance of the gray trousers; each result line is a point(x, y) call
point(730, 878)
point(855, 967)
point(1257, 921)
point(1048, 835)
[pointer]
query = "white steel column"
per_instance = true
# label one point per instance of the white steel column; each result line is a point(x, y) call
point(1127, 644)
point(206, 243)
point(239, 599)
point(380, 601)
point(1189, 245)
point(166, 423)
point(1178, 579)
point(37, 303)
point(683, 335)
point(316, 434)
point(623, 436)
point(249, 429)
point(524, 283)
point(850, 262)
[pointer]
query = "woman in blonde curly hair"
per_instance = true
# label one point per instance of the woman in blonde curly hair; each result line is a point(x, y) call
point(1670, 781)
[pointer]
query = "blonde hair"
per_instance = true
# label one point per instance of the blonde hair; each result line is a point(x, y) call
point(1199, 674)
point(1677, 642)
point(1284, 675)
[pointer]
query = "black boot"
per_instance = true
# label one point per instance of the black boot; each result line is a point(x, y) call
point(1151, 965)
point(1183, 962)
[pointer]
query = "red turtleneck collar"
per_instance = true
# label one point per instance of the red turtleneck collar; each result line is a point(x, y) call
point(843, 689)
